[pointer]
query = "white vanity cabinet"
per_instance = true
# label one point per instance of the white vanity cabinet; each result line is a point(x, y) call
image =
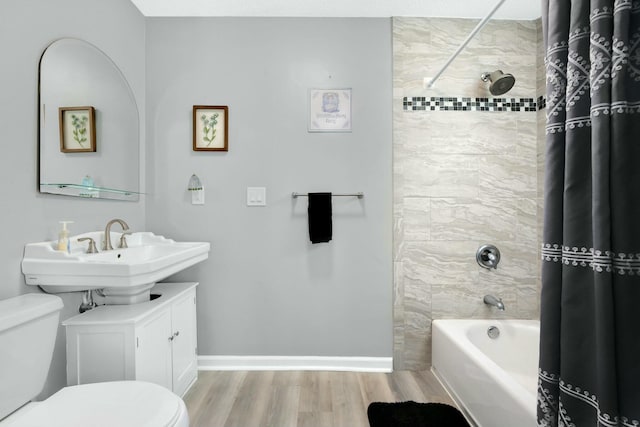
point(153, 341)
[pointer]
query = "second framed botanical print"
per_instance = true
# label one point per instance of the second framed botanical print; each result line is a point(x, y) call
point(210, 128)
point(77, 129)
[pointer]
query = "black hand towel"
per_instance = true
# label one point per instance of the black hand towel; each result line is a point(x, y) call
point(320, 228)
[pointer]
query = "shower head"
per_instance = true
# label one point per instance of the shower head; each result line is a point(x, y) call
point(501, 83)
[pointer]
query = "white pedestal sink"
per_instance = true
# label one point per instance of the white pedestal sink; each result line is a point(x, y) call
point(125, 276)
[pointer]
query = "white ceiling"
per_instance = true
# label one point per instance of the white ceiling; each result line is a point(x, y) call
point(511, 9)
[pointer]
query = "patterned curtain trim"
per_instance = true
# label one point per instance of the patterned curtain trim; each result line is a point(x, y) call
point(547, 401)
point(601, 261)
point(620, 107)
point(570, 81)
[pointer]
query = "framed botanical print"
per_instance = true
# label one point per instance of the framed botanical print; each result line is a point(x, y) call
point(210, 125)
point(77, 129)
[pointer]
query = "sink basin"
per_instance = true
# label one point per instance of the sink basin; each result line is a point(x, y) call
point(124, 275)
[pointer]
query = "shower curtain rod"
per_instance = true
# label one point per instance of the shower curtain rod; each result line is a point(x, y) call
point(464, 44)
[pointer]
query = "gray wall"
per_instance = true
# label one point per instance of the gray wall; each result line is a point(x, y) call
point(265, 290)
point(26, 28)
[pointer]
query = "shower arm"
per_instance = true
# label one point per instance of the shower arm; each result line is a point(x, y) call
point(464, 44)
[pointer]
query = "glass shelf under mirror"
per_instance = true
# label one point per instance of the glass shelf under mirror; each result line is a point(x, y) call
point(89, 192)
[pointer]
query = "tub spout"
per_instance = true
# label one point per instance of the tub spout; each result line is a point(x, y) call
point(496, 302)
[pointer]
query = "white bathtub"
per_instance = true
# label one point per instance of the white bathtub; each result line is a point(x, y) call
point(494, 381)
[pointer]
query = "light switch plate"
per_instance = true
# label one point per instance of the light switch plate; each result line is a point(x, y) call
point(256, 196)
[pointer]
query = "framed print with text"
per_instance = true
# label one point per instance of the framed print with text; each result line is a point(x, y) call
point(329, 110)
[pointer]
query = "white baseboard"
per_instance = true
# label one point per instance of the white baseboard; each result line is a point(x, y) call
point(295, 363)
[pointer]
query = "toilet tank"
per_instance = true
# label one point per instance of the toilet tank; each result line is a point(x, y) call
point(28, 327)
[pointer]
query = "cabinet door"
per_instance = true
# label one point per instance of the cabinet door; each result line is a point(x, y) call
point(98, 353)
point(185, 363)
point(153, 350)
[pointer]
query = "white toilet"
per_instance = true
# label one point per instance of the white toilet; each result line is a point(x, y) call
point(28, 327)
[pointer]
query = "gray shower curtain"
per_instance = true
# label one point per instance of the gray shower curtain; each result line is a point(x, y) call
point(589, 372)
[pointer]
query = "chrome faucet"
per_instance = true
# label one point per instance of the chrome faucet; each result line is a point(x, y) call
point(106, 246)
point(496, 302)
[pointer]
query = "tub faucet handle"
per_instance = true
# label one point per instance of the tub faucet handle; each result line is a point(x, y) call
point(488, 256)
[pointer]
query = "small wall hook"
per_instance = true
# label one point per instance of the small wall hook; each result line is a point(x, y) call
point(197, 190)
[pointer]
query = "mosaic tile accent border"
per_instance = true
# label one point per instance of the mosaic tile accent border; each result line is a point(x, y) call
point(542, 102)
point(422, 103)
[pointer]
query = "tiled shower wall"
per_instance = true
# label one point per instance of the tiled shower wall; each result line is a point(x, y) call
point(462, 179)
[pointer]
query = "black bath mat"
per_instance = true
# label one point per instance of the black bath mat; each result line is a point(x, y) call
point(412, 414)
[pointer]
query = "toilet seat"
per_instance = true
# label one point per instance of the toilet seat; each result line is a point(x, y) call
point(108, 404)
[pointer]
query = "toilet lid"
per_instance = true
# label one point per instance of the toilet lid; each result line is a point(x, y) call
point(109, 404)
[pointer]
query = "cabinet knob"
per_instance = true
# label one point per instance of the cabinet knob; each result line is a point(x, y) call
point(171, 337)
point(176, 334)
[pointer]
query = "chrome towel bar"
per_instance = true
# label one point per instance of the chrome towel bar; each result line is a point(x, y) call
point(359, 195)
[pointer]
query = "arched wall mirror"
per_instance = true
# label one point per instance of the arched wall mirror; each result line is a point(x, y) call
point(88, 137)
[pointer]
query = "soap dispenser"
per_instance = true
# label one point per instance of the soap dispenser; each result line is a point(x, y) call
point(64, 243)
